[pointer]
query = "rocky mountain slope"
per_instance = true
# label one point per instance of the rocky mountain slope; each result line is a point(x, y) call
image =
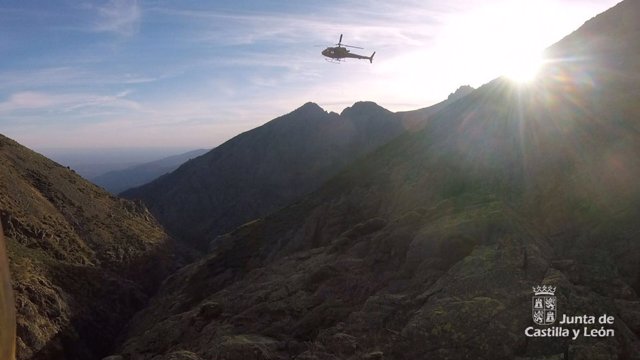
point(7, 306)
point(82, 261)
point(264, 169)
point(429, 247)
point(118, 181)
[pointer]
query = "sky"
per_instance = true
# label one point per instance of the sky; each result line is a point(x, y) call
point(194, 73)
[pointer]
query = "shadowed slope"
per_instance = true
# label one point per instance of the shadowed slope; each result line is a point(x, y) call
point(264, 169)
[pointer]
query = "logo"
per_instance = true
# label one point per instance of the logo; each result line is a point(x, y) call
point(544, 305)
point(544, 311)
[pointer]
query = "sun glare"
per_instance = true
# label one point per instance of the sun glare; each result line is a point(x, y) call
point(504, 38)
point(522, 67)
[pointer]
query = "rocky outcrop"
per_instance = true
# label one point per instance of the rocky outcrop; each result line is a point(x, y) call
point(7, 306)
point(82, 261)
point(446, 282)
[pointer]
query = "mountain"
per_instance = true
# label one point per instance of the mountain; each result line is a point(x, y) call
point(264, 169)
point(429, 247)
point(82, 261)
point(416, 119)
point(119, 180)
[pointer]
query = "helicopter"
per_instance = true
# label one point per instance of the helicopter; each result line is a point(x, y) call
point(337, 53)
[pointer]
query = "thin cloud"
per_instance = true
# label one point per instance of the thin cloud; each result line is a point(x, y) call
point(224, 28)
point(65, 76)
point(64, 103)
point(119, 16)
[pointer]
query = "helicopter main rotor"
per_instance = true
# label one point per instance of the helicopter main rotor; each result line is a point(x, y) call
point(340, 44)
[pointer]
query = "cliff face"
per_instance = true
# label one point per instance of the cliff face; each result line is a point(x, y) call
point(430, 246)
point(82, 261)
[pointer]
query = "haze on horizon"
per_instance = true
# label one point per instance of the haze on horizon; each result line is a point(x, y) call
point(193, 74)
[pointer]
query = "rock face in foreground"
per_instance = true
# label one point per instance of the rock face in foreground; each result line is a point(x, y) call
point(264, 169)
point(82, 261)
point(429, 248)
point(7, 306)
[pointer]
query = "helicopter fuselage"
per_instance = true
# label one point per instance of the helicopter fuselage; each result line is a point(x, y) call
point(339, 52)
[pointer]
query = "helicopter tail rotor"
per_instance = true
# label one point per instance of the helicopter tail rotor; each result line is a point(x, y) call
point(371, 58)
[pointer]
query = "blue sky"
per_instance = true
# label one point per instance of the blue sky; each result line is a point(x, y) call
point(192, 74)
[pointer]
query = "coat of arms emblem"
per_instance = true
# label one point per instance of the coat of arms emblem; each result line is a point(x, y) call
point(544, 305)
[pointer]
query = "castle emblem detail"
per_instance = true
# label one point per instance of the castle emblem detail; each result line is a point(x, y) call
point(544, 305)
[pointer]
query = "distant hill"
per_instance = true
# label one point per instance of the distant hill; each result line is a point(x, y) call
point(119, 180)
point(82, 261)
point(429, 247)
point(93, 162)
point(264, 169)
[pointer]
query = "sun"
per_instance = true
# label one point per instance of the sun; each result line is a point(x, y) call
point(522, 66)
point(501, 38)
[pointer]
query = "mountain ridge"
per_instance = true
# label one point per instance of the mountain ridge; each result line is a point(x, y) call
point(264, 169)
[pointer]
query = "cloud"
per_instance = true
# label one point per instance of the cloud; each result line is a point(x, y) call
point(244, 28)
point(118, 16)
point(46, 103)
point(65, 77)
point(29, 100)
